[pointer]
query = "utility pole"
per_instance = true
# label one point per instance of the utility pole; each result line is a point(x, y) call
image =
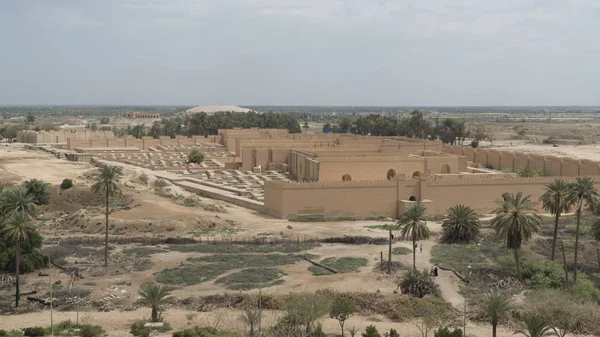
point(51, 300)
point(260, 303)
point(390, 253)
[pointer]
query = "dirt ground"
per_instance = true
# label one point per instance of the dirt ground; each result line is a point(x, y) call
point(149, 214)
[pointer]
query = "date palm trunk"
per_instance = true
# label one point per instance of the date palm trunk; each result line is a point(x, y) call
point(106, 233)
point(577, 240)
point(555, 235)
point(17, 270)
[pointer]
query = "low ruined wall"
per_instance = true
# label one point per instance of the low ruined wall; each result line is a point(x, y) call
point(513, 161)
point(363, 199)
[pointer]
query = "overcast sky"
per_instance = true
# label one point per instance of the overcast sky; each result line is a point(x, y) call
point(300, 52)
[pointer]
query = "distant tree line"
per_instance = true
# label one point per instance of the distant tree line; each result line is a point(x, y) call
point(450, 131)
point(203, 124)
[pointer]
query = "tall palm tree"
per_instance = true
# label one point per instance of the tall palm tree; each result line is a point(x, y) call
point(596, 230)
point(515, 221)
point(413, 226)
point(582, 191)
point(557, 200)
point(39, 190)
point(496, 304)
point(16, 200)
point(106, 182)
point(19, 230)
point(154, 296)
point(460, 225)
point(535, 326)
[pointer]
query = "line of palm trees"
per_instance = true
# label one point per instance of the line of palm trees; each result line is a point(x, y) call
point(515, 219)
point(19, 206)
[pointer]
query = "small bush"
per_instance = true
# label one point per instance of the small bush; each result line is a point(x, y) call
point(33, 332)
point(204, 332)
point(543, 274)
point(393, 333)
point(418, 283)
point(445, 332)
point(371, 331)
point(586, 290)
point(91, 331)
point(195, 156)
point(139, 330)
point(474, 144)
point(66, 184)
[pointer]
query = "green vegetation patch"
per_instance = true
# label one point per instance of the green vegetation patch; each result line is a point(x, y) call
point(401, 251)
point(341, 265)
point(389, 227)
point(143, 251)
point(205, 332)
point(240, 249)
point(234, 261)
point(190, 275)
point(458, 257)
point(252, 278)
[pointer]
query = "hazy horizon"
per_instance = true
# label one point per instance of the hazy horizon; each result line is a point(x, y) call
point(370, 53)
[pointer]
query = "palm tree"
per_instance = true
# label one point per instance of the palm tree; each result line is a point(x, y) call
point(496, 304)
point(516, 221)
point(556, 200)
point(106, 182)
point(582, 191)
point(596, 230)
point(535, 326)
point(154, 296)
point(460, 225)
point(413, 226)
point(19, 230)
point(16, 200)
point(39, 190)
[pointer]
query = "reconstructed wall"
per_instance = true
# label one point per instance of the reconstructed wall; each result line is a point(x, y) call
point(61, 136)
point(130, 141)
point(512, 161)
point(360, 199)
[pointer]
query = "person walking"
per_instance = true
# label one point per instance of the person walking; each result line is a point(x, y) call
point(421, 248)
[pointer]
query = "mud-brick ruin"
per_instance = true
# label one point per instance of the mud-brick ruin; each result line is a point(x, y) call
point(328, 175)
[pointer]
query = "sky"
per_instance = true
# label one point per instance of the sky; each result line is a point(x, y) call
point(300, 52)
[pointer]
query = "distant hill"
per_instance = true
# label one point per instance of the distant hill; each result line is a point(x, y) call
point(211, 109)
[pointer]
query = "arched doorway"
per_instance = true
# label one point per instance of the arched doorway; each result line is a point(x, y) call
point(446, 168)
point(391, 174)
point(412, 198)
point(417, 174)
point(346, 177)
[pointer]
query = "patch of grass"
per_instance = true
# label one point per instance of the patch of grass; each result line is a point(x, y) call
point(264, 234)
point(143, 264)
point(57, 286)
point(123, 283)
point(190, 275)
point(143, 251)
point(234, 261)
point(90, 284)
point(387, 227)
point(252, 278)
point(342, 265)
point(240, 249)
point(221, 231)
point(401, 251)
point(458, 257)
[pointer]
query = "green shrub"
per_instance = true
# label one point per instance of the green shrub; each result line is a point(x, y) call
point(34, 332)
point(474, 144)
point(393, 333)
point(543, 274)
point(139, 330)
point(418, 283)
point(195, 156)
point(66, 184)
point(586, 290)
point(445, 332)
point(91, 331)
point(204, 332)
point(371, 331)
